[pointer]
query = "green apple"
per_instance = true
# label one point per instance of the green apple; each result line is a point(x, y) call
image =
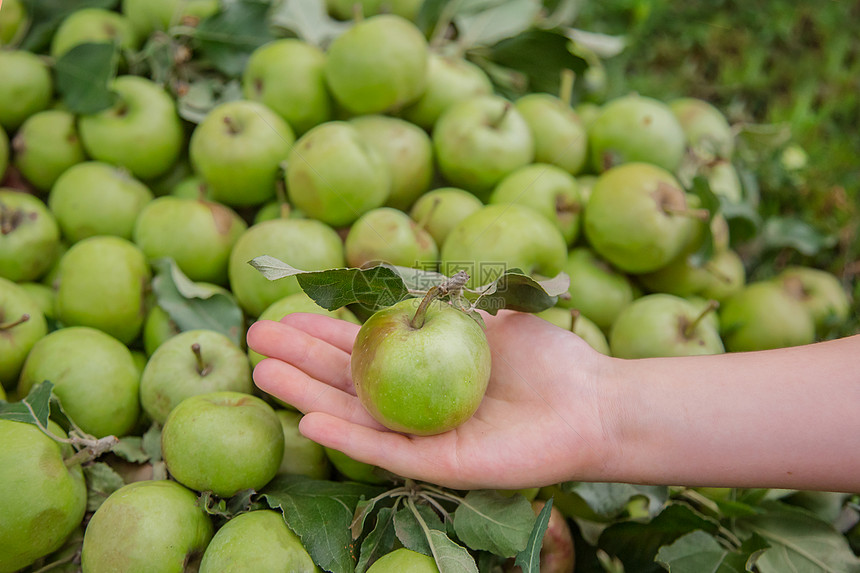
point(141, 132)
point(22, 325)
point(638, 217)
point(449, 80)
point(579, 324)
point(549, 190)
point(407, 152)
point(27, 87)
point(94, 376)
point(258, 541)
point(354, 470)
point(4, 152)
point(94, 198)
point(13, 22)
point(302, 456)
point(305, 244)
point(223, 442)
point(404, 559)
point(499, 238)
point(197, 234)
point(287, 76)
point(559, 134)
point(663, 325)
point(29, 237)
point(103, 283)
point(378, 65)
point(191, 187)
point(44, 297)
point(706, 131)
point(438, 211)
point(191, 363)
point(346, 9)
point(386, 235)
point(238, 149)
point(420, 372)
point(47, 144)
point(147, 16)
point(478, 141)
point(596, 289)
point(586, 184)
point(93, 25)
point(821, 292)
point(147, 526)
point(635, 128)
point(43, 499)
point(762, 316)
point(298, 302)
point(335, 175)
point(277, 209)
point(718, 278)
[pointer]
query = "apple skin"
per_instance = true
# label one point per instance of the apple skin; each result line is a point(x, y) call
point(503, 237)
point(478, 141)
point(655, 325)
point(706, 130)
point(438, 211)
point(583, 327)
point(43, 500)
point(147, 16)
point(596, 289)
point(334, 175)
point(635, 128)
point(223, 442)
point(287, 76)
point(559, 134)
point(94, 198)
point(718, 278)
point(821, 292)
point(257, 541)
point(4, 153)
point(404, 559)
point(103, 283)
point(762, 316)
point(302, 456)
point(146, 526)
point(354, 470)
point(407, 151)
point(421, 381)
point(378, 65)
point(29, 239)
point(141, 132)
point(94, 376)
point(238, 149)
point(93, 25)
point(13, 20)
point(389, 235)
point(172, 372)
point(47, 144)
point(630, 219)
point(345, 9)
point(43, 295)
point(197, 234)
point(27, 87)
point(305, 244)
point(17, 341)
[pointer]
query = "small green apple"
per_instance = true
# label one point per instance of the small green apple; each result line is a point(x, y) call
point(44, 297)
point(346, 9)
point(223, 442)
point(190, 363)
point(287, 76)
point(93, 25)
point(438, 211)
point(258, 541)
point(821, 292)
point(147, 526)
point(378, 65)
point(420, 372)
point(94, 198)
point(354, 470)
point(147, 16)
point(302, 456)
point(43, 499)
point(103, 283)
point(386, 235)
point(47, 144)
point(94, 376)
point(22, 325)
point(191, 187)
point(597, 290)
point(404, 559)
point(560, 137)
point(27, 87)
point(579, 324)
point(238, 149)
point(706, 131)
point(718, 278)
point(29, 237)
point(13, 21)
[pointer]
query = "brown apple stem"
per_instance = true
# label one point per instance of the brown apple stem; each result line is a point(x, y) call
point(574, 316)
point(7, 325)
point(357, 12)
point(691, 327)
point(565, 204)
point(700, 214)
point(565, 90)
point(202, 368)
point(422, 224)
point(420, 314)
point(498, 121)
point(232, 126)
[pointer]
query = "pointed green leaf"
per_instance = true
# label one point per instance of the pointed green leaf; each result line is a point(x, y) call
point(84, 74)
point(699, 551)
point(487, 520)
point(529, 558)
point(102, 481)
point(492, 22)
point(379, 542)
point(611, 499)
point(780, 232)
point(46, 15)
point(227, 38)
point(517, 291)
point(309, 20)
point(130, 448)
point(151, 442)
point(450, 557)
point(710, 202)
point(410, 530)
point(39, 401)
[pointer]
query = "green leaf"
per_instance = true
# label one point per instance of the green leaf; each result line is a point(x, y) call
point(39, 400)
point(320, 513)
point(517, 291)
point(130, 448)
point(84, 74)
point(227, 38)
point(781, 232)
point(486, 22)
point(102, 481)
point(151, 442)
point(192, 307)
point(487, 520)
point(410, 531)
point(743, 219)
point(309, 20)
point(205, 94)
point(698, 551)
point(800, 542)
point(450, 557)
point(529, 558)
point(611, 499)
point(46, 15)
point(429, 15)
point(379, 541)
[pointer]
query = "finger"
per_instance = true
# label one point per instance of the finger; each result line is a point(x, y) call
point(316, 357)
point(308, 394)
point(338, 333)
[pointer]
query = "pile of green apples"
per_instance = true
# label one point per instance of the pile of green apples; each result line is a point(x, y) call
point(376, 149)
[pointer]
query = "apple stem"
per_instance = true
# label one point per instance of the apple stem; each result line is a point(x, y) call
point(691, 327)
point(232, 127)
point(700, 214)
point(357, 12)
point(565, 90)
point(420, 314)
point(202, 368)
point(574, 316)
point(9, 219)
point(498, 121)
point(7, 325)
point(565, 204)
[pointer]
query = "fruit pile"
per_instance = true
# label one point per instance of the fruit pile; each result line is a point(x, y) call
point(133, 199)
